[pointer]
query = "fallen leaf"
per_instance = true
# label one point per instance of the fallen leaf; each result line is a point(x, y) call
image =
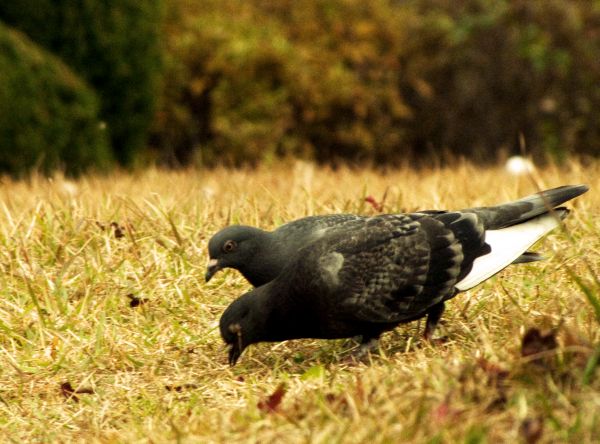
point(117, 230)
point(440, 413)
point(271, 404)
point(373, 202)
point(444, 411)
point(135, 301)
point(180, 387)
point(69, 392)
point(535, 342)
point(338, 401)
point(331, 397)
point(531, 429)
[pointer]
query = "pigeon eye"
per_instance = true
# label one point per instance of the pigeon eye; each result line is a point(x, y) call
point(229, 246)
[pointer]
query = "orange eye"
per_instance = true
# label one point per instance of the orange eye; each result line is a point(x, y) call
point(229, 246)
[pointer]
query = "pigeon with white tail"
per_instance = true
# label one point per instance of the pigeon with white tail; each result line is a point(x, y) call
point(341, 276)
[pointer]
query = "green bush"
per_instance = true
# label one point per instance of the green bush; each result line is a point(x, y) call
point(114, 45)
point(250, 81)
point(48, 116)
point(381, 81)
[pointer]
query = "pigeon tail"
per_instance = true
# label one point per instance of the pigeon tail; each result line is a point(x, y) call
point(529, 256)
point(519, 211)
point(509, 244)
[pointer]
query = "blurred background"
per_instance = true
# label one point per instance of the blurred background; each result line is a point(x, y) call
point(99, 84)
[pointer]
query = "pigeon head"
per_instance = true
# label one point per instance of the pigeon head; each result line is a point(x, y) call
point(242, 324)
point(233, 247)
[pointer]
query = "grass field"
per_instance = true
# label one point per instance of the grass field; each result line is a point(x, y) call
point(120, 312)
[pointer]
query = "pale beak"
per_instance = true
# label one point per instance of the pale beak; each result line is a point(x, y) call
point(211, 268)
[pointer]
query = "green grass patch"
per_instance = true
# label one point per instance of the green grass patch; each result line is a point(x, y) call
point(81, 361)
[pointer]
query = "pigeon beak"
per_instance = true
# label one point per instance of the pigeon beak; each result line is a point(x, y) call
point(212, 267)
point(234, 354)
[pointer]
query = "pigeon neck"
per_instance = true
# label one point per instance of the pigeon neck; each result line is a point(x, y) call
point(287, 316)
point(267, 260)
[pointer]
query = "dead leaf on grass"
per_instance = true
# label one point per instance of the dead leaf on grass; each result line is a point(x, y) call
point(444, 411)
point(180, 387)
point(536, 342)
point(441, 412)
point(69, 392)
point(377, 206)
point(271, 404)
point(135, 301)
point(118, 230)
point(531, 429)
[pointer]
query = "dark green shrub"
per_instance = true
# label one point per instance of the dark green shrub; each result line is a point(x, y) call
point(48, 116)
point(221, 88)
point(114, 45)
point(250, 81)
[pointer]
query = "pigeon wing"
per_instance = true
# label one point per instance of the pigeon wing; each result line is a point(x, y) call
point(309, 224)
point(395, 267)
point(297, 234)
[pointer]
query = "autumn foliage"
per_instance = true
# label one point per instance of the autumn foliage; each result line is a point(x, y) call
point(379, 81)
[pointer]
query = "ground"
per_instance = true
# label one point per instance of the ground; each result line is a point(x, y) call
point(108, 332)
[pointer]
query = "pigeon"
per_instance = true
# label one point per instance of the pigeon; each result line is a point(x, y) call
point(366, 275)
point(261, 255)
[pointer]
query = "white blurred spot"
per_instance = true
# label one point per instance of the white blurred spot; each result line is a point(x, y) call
point(209, 192)
point(518, 165)
point(69, 187)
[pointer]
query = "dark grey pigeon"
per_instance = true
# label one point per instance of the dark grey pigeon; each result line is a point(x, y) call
point(261, 255)
point(370, 274)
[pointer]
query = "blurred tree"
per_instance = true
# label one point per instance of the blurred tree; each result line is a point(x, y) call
point(250, 81)
point(48, 115)
point(380, 81)
point(114, 45)
point(495, 69)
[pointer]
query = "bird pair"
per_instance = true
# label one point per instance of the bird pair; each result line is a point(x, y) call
point(344, 275)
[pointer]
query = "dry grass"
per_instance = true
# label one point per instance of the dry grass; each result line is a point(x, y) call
point(158, 371)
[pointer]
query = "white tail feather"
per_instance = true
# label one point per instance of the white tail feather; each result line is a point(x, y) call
point(507, 245)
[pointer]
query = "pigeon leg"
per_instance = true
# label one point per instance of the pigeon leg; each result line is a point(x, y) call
point(368, 345)
point(433, 317)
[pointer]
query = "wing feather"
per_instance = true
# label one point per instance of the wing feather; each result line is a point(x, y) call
point(392, 268)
